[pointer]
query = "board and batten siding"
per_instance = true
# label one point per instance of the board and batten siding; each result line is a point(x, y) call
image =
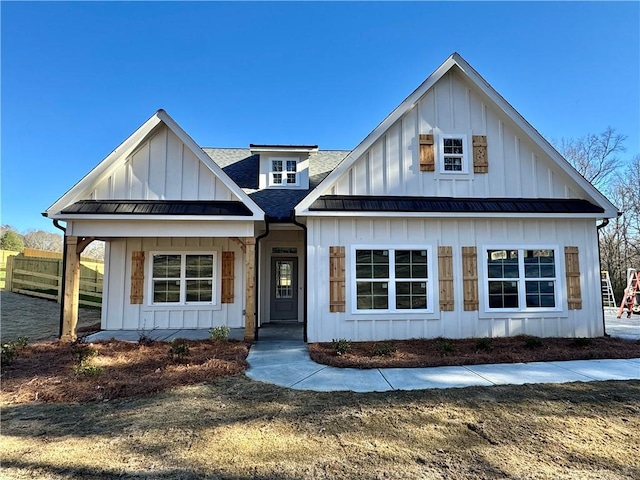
point(118, 313)
point(324, 325)
point(161, 168)
point(517, 168)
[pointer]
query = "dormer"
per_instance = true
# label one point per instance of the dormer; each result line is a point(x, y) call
point(284, 166)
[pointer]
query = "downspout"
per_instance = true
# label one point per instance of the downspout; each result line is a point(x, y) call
point(257, 277)
point(64, 271)
point(604, 223)
point(306, 273)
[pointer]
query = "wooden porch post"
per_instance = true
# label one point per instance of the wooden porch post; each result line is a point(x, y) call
point(250, 293)
point(75, 246)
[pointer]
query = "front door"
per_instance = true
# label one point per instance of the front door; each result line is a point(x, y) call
point(284, 289)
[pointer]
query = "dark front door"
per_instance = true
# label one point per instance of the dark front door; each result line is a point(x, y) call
point(284, 289)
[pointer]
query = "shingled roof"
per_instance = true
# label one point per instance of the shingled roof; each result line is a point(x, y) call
point(243, 168)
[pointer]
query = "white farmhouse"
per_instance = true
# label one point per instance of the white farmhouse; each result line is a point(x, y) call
point(453, 218)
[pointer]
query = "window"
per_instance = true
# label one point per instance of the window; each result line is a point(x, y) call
point(521, 279)
point(182, 278)
point(453, 153)
point(284, 172)
point(391, 279)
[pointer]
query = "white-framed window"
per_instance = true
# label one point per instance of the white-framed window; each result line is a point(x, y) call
point(394, 279)
point(522, 279)
point(283, 172)
point(180, 278)
point(453, 153)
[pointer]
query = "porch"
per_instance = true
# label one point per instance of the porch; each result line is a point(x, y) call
point(268, 332)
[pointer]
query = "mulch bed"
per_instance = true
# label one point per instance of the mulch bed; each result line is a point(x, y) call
point(52, 372)
point(439, 352)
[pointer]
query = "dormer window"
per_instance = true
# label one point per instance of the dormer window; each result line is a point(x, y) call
point(284, 172)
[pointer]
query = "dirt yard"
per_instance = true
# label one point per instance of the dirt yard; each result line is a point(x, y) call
point(234, 428)
point(36, 318)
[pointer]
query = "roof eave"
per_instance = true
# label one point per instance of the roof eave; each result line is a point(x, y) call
point(445, 215)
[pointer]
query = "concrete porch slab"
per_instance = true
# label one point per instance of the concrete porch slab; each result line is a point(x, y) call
point(160, 334)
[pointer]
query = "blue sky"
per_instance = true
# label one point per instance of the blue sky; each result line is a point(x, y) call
point(78, 78)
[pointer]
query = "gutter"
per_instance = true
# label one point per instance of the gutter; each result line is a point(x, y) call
point(56, 224)
point(604, 223)
point(257, 278)
point(306, 273)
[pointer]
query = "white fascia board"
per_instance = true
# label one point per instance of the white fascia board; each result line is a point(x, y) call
point(610, 211)
point(282, 150)
point(409, 103)
point(105, 166)
point(258, 213)
point(142, 218)
point(441, 215)
point(184, 228)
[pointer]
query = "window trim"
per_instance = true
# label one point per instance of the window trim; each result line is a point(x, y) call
point(559, 295)
point(183, 279)
point(353, 287)
point(284, 161)
point(465, 153)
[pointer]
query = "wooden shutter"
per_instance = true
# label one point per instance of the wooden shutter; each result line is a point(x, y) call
point(137, 277)
point(572, 270)
point(445, 278)
point(336, 279)
point(480, 160)
point(470, 278)
point(427, 157)
point(228, 265)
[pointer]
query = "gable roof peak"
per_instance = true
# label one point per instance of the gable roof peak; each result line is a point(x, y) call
point(129, 145)
point(474, 78)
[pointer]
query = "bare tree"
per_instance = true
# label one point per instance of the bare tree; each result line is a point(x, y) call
point(620, 240)
point(43, 240)
point(94, 250)
point(594, 155)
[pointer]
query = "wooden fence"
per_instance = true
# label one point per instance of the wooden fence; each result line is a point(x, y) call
point(42, 277)
point(4, 255)
point(88, 262)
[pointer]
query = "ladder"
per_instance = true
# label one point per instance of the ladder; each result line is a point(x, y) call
point(631, 298)
point(608, 300)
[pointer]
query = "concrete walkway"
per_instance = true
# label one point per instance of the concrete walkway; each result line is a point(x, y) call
point(287, 364)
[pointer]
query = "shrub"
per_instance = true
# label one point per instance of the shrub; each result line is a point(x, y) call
point(532, 342)
point(485, 344)
point(82, 352)
point(9, 350)
point(144, 336)
point(445, 347)
point(581, 342)
point(384, 349)
point(179, 349)
point(87, 370)
point(219, 333)
point(341, 345)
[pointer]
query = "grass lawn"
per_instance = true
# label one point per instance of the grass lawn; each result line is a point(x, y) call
point(239, 429)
